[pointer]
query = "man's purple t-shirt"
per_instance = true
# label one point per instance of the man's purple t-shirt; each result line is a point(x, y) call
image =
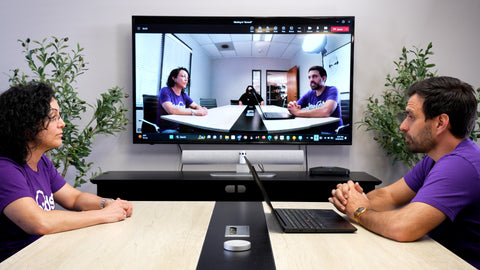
point(17, 182)
point(167, 94)
point(452, 185)
point(311, 101)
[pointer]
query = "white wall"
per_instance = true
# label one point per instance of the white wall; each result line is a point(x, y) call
point(232, 75)
point(382, 28)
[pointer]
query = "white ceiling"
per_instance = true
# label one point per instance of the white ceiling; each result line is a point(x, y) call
point(242, 45)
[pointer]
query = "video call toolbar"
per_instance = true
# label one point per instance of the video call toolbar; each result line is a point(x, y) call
point(251, 26)
point(340, 27)
point(239, 138)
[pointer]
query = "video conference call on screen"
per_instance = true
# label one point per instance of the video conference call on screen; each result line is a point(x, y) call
point(225, 55)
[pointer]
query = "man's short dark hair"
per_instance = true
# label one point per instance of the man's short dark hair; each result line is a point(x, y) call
point(450, 96)
point(320, 69)
point(24, 113)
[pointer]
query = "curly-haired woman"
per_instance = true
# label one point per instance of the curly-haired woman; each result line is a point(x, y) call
point(30, 125)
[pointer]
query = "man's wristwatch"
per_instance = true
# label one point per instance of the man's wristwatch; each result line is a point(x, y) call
point(359, 212)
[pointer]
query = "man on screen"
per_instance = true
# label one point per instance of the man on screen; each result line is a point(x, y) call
point(321, 101)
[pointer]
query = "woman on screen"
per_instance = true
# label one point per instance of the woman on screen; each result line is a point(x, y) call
point(30, 186)
point(173, 100)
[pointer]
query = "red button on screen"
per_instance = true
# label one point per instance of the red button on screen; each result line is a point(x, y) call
point(340, 29)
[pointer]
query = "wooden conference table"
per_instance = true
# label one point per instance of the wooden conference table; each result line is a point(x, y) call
point(233, 118)
point(170, 235)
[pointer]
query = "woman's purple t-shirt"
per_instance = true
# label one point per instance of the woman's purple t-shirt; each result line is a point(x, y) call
point(167, 94)
point(17, 182)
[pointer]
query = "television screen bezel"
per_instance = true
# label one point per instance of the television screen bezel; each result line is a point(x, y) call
point(224, 20)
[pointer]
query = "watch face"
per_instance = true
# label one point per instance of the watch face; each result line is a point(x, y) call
point(359, 210)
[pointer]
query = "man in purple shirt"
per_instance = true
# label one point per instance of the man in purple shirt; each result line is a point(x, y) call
point(321, 101)
point(440, 195)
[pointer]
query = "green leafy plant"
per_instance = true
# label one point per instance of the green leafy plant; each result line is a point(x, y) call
point(53, 62)
point(383, 117)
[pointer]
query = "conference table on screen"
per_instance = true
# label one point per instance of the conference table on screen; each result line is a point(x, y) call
point(174, 235)
point(232, 118)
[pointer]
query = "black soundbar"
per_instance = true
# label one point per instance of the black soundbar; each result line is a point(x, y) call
point(325, 171)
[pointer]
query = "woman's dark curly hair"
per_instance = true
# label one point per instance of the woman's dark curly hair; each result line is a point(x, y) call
point(24, 111)
point(174, 74)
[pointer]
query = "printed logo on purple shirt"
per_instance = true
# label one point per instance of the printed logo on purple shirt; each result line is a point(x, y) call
point(45, 202)
point(319, 104)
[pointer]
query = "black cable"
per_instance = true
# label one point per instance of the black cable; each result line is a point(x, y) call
point(181, 150)
point(306, 158)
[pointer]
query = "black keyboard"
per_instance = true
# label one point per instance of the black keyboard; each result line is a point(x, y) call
point(301, 218)
point(270, 114)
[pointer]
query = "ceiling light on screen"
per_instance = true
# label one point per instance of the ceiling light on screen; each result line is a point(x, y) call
point(314, 43)
point(263, 37)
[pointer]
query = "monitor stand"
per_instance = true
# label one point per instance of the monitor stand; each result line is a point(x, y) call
point(242, 171)
point(198, 157)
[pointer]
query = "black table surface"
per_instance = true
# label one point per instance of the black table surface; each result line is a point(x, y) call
point(251, 214)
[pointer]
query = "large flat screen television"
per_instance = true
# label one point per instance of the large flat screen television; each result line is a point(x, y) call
point(220, 57)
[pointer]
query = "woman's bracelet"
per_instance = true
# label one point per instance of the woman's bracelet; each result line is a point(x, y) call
point(102, 205)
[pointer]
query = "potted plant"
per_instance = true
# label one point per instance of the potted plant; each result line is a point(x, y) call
point(53, 62)
point(383, 117)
